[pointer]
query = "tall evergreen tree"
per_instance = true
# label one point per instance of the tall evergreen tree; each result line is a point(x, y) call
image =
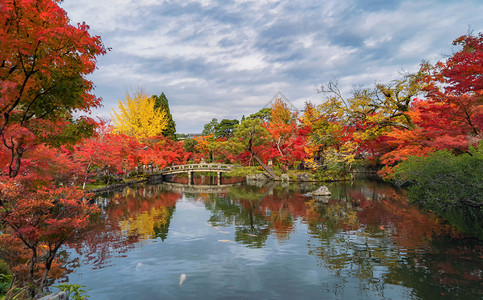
point(225, 128)
point(210, 128)
point(162, 102)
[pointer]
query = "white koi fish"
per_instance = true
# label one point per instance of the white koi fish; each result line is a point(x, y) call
point(182, 278)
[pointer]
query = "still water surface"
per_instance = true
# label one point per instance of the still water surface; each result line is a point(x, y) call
point(272, 242)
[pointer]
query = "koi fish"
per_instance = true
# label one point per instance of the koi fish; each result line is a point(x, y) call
point(225, 241)
point(182, 278)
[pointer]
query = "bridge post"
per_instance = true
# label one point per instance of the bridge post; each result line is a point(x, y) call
point(190, 178)
point(218, 182)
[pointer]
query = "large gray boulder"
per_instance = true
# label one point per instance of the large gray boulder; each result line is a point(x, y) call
point(321, 191)
point(285, 177)
point(258, 176)
point(303, 177)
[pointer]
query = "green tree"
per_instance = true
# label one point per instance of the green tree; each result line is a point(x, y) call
point(190, 145)
point(162, 102)
point(249, 135)
point(226, 128)
point(263, 114)
point(210, 128)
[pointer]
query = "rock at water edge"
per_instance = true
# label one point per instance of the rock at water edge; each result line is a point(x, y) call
point(57, 296)
point(321, 191)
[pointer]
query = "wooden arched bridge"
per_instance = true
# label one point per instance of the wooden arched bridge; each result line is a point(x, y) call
point(190, 169)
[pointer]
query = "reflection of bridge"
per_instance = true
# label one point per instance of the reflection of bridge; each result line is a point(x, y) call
point(188, 188)
point(192, 168)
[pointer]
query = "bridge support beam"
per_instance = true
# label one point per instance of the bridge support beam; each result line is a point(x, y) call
point(191, 179)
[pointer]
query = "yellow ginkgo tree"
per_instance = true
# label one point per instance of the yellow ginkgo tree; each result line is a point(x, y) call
point(138, 116)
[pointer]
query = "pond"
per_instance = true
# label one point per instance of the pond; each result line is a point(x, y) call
point(269, 241)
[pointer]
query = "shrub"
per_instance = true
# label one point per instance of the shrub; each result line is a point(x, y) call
point(73, 291)
point(5, 278)
point(443, 179)
point(332, 175)
point(244, 171)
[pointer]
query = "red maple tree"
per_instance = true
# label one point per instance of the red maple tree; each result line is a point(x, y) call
point(452, 115)
point(43, 66)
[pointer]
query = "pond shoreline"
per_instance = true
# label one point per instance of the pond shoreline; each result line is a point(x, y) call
point(302, 177)
point(252, 177)
point(116, 186)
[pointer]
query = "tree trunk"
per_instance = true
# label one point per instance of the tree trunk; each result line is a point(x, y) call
point(31, 279)
point(14, 165)
point(267, 169)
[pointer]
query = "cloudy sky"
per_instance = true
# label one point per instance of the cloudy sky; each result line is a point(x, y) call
point(225, 59)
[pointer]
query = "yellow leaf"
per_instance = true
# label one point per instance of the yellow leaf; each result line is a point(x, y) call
point(138, 117)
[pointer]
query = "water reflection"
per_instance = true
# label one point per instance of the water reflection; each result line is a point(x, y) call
point(128, 217)
point(366, 230)
point(370, 232)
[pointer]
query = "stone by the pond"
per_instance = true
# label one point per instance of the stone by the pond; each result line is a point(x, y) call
point(259, 176)
point(285, 177)
point(303, 177)
point(57, 296)
point(321, 191)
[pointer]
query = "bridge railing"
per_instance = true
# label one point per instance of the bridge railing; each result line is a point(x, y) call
point(207, 166)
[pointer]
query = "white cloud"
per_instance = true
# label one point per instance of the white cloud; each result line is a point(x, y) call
point(225, 59)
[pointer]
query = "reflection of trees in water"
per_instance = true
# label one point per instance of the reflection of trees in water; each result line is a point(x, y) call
point(130, 216)
point(367, 231)
point(149, 224)
point(450, 268)
point(370, 232)
point(467, 219)
point(251, 227)
point(258, 211)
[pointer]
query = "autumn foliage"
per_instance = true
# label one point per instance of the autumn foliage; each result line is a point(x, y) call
point(452, 115)
point(113, 154)
point(438, 107)
point(47, 155)
point(138, 117)
point(43, 66)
